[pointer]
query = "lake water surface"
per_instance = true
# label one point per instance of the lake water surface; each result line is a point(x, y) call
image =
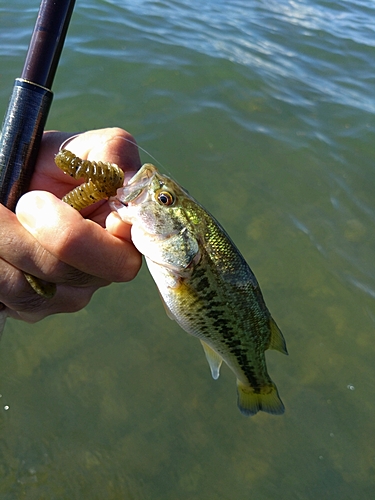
point(265, 112)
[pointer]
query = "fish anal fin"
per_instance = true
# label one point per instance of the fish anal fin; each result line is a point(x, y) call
point(267, 399)
point(277, 340)
point(214, 360)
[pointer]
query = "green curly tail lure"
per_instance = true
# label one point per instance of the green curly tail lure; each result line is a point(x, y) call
point(102, 179)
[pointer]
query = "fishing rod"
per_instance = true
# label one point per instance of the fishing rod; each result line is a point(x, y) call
point(31, 100)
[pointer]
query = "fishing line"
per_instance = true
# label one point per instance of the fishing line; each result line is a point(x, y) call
point(149, 154)
point(65, 144)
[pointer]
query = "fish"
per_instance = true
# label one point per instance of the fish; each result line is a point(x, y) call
point(205, 283)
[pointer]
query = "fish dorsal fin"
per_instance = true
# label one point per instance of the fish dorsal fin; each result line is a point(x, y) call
point(214, 360)
point(277, 340)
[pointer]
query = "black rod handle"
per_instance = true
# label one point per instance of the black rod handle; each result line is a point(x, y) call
point(31, 99)
point(20, 138)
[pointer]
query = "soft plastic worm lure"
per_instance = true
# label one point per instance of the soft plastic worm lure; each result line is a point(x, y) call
point(102, 179)
point(41, 287)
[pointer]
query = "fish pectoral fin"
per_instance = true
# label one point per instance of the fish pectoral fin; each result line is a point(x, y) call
point(214, 360)
point(267, 399)
point(277, 340)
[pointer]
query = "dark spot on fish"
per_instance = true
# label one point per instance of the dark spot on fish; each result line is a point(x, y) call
point(210, 296)
point(202, 284)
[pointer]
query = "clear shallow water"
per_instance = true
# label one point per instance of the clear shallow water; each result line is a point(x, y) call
point(265, 112)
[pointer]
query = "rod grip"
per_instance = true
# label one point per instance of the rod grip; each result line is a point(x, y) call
point(20, 138)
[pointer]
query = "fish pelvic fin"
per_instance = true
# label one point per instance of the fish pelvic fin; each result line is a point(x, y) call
point(214, 360)
point(266, 399)
point(166, 308)
point(277, 340)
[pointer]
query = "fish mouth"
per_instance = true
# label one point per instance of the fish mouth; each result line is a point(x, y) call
point(127, 195)
point(135, 191)
point(117, 204)
point(136, 186)
point(120, 201)
point(127, 198)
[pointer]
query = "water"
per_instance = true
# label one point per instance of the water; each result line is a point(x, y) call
point(265, 112)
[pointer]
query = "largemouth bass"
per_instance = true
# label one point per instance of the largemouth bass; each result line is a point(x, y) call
point(205, 283)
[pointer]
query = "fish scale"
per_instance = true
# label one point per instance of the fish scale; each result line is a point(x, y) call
point(205, 283)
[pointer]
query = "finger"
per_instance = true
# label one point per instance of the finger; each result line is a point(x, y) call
point(117, 227)
point(79, 242)
point(28, 306)
point(23, 252)
point(111, 144)
point(67, 300)
point(15, 292)
point(23, 303)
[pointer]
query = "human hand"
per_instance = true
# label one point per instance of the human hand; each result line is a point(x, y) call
point(50, 240)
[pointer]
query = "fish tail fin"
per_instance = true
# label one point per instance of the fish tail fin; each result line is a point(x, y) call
point(267, 399)
point(277, 340)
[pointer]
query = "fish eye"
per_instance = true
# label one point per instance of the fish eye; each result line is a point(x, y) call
point(165, 198)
